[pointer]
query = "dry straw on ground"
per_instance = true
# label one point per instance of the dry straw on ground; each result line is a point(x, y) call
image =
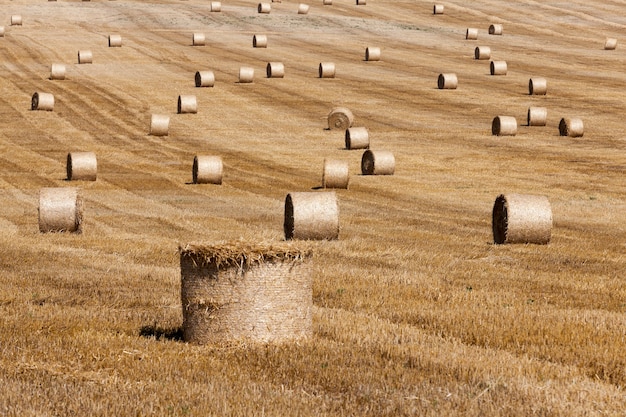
point(60, 210)
point(537, 116)
point(216, 6)
point(57, 72)
point(115, 41)
point(207, 169)
point(42, 101)
point(447, 81)
point(239, 292)
point(159, 125)
point(471, 34)
point(498, 67)
point(372, 53)
point(573, 128)
point(482, 52)
point(85, 57)
point(326, 70)
point(205, 79)
point(438, 9)
point(340, 118)
point(378, 163)
point(303, 8)
point(311, 216)
point(504, 126)
point(16, 20)
point(246, 75)
point(610, 44)
point(357, 138)
point(198, 39)
point(495, 29)
point(336, 174)
point(275, 70)
point(537, 86)
point(82, 166)
point(259, 41)
point(521, 218)
point(264, 8)
point(187, 104)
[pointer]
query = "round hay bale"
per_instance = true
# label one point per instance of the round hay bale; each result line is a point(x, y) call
point(205, 79)
point(498, 67)
point(327, 2)
point(447, 81)
point(198, 39)
point(57, 72)
point(246, 75)
point(357, 138)
point(537, 116)
point(372, 53)
point(471, 34)
point(240, 292)
point(159, 125)
point(303, 8)
point(16, 20)
point(187, 104)
point(537, 86)
point(482, 52)
point(275, 70)
point(495, 29)
point(326, 70)
point(361, 2)
point(438, 9)
point(207, 169)
point(521, 218)
point(504, 126)
point(340, 118)
point(85, 57)
point(42, 101)
point(216, 6)
point(378, 163)
point(610, 44)
point(259, 41)
point(115, 41)
point(82, 166)
point(264, 7)
point(311, 216)
point(1, 31)
point(336, 174)
point(573, 128)
point(60, 210)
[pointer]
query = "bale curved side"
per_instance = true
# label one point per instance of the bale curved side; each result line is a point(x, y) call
point(205, 79)
point(537, 86)
point(372, 53)
point(57, 72)
point(504, 126)
point(187, 104)
point(573, 128)
point(326, 70)
point(357, 138)
point(537, 116)
point(159, 125)
point(447, 81)
point(82, 166)
point(42, 101)
point(378, 163)
point(60, 210)
point(336, 174)
point(207, 169)
point(521, 218)
point(482, 52)
point(311, 216)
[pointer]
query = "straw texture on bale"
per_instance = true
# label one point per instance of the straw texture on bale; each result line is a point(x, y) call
point(522, 218)
point(16, 20)
point(573, 128)
point(187, 104)
point(495, 29)
point(537, 116)
point(327, 2)
point(115, 41)
point(198, 39)
point(471, 34)
point(447, 81)
point(275, 70)
point(264, 7)
point(361, 2)
point(42, 101)
point(504, 126)
point(303, 8)
point(205, 79)
point(311, 216)
point(207, 169)
point(159, 125)
point(336, 174)
point(326, 70)
point(372, 53)
point(57, 72)
point(357, 138)
point(60, 210)
point(378, 163)
point(246, 75)
point(340, 118)
point(438, 9)
point(85, 57)
point(1, 31)
point(610, 44)
point(82, 166)
point(216, 6)
point(537, 86)
point(498, 67)
point(259, 41)
point(482, 52)
point(238, 292)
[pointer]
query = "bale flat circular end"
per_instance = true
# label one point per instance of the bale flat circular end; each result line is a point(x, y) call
point(303, 8)
point(357, 138)
point(216, 6)
point(115, 41)
point(340, 118)
point(259, 41)
point(311, 216)
point(378, 163)
point(610, 44)
point(275, 70)
point(537, 86)
point(537, 116)
point(498, 67)
point(504, 126)
point(336, 174)
point(246, 75)
point(326, 70)
point(438, 9)
point(42, 101)
point(16, 20)
point(521, 218)
point(198, 39)
point(205, 79)
point(159, 125)
point(447, 81)
point(82, 166)
point(495, 29)
point(372, 53)
point(264, 7)
point(187, 104)
point(57, 72)
point(207, 169)
point(482, 52)
point(85, 57)
point(573, 128)
point(60, 210)
point(471, 34)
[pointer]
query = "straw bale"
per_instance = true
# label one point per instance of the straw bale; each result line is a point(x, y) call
point(372, 53)
point(115, 41)
point(311, 216)
point(1, 31)
point(85, 57)
point(205, 79)
point(438, 9)
point(327, 2)
point(259, 41)
point(610, 44)
point(357, 138)
point(471, 34)
point(216, 6)
point(57, 72)
point(340, 118)
point(275, 70)
point(207, 169)
point(264, 7)
point(482, 52)
point(522, 218)
point(60, 210)
point(246, 75)
point(573, 128)
point(495, 29)
point(239, 292)
point(336, 174)
point(42, 101)
point(187, 104)
point(537, 86)
point(378, 163)
point(198, 39)
point(537, 116)
point(447, 81)
point(326, 70)
point(504, 126)
point(361, 2)
point(16, 20)
point(82, 166)
point(159, 125)
point(498, 67)
point(303, 8)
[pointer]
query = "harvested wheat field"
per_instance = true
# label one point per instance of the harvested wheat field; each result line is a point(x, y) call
point(415, 311)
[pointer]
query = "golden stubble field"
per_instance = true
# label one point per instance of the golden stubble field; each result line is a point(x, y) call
point(416, 311)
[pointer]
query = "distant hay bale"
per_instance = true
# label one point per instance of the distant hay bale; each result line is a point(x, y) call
point(327, 2)
point(198, 39)
point(311, 216)
point(1, 31)
point(521, 218)
point(482, 52)
point(82, 166)
point(537, 86)
point(16, 20)
point(42, 101)
point(216, 6)
point(361, 2)
point(610, 44)
point(241, 292)
point(159, 125)
point(573, 128)
point(205, 79)
point(85, 57)
point(57, 72)
point(246, 75)
point(326, 70)
point(60, 210)
point(264, 7)
point(275, 70)
point(187, 104)
point(207, 169)
point(340, 118)
point(115, 41)
point(447, 81)
point(378, 163)
point(504, 126)
point(372, 53)
point(357, 138)
point(498, 67)
point(495, 29)
point(537, 116)
point(259, 41)
point(438, 9)
point(471, 34)
point(303, 8)
point(336, 174)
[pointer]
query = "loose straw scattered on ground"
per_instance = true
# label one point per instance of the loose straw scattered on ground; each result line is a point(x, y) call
point(521, 218)
point(311, 216)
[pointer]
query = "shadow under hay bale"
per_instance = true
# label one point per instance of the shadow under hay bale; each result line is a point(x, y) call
point(60, 210)
point(82, 166)
point(340, 118)
point(357, 138)
point(521, 218)
point(42, 101)
point(378, 163)
point(336, 174)
point(447, 81)
point(159, 125)
point(574, 128)
point(205, 79)
point(246, 293)
point(504, 126)
point(85, 57)
point(311, 216)
point(207, 169)
point(537, 116)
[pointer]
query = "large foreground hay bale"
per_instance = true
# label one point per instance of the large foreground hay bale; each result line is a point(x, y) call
point(537, 116)
point(246, 75)
point(82, 166)
point(115, 41)
point(42, 101)
point(504, 126)
point(187, 104)
point(275, 70)
point(573, 128)
point(259, 41)
point(521, 218)
point(240, 292)
point(312, 216)
point(495, 29)
point(378, 163)
point(438, 9)
point(85, 57)
point(357, 138)
point(336, 174)
point(198, 39)
point(57, 72)
point(16, 20)
point(372, 53)
point(205, 79)
point(471, 34)
point(60, 210)
point(610, 44)
point(537, 86)
point(326, 70)
point(207, 169)
point(216, 6)
point(159, 125)
point(482, 52)
point(264, 8)
point(303, 8)
point(498, 67)
point(447, 81)
point(340, 118)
